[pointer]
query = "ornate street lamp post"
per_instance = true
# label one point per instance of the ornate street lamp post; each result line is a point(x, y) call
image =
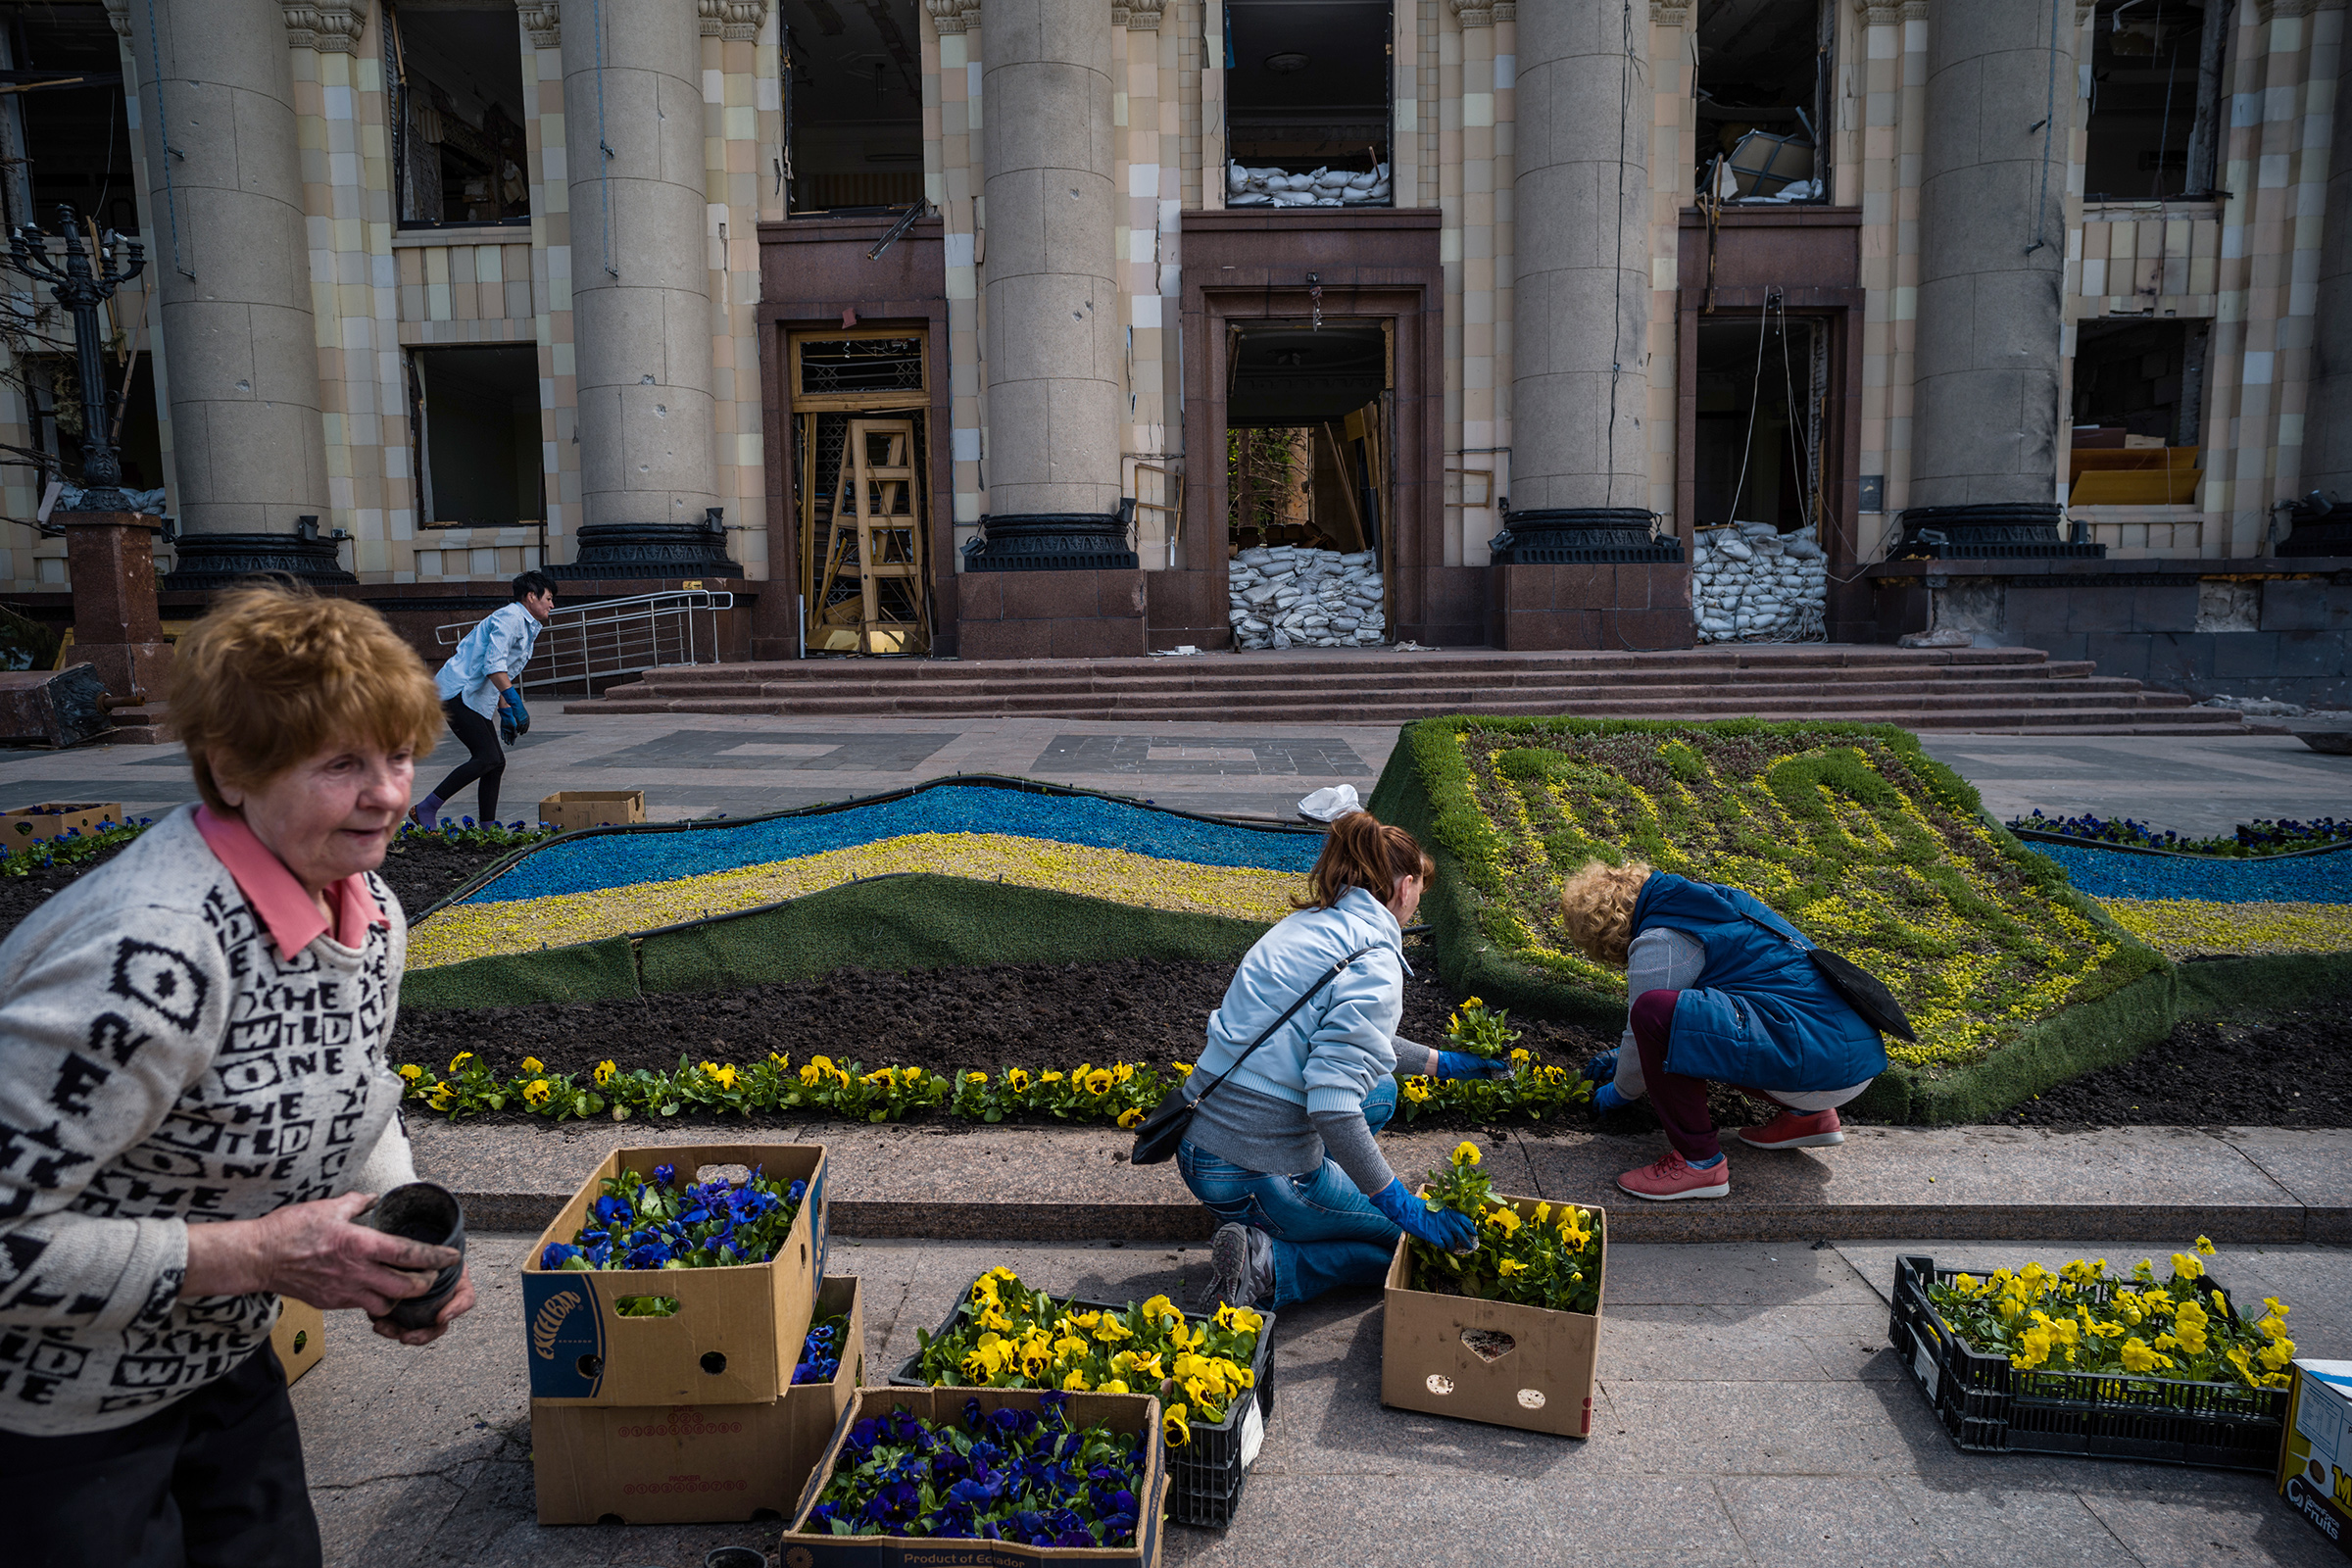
point(80, 289)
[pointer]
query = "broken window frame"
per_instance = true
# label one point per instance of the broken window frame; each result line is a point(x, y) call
point(788, 176)
point(2208, 110)
point(413, 368)
point(1819, 122)
point(397, 94)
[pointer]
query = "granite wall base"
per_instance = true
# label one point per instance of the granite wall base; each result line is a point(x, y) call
point(1642, 606)
point(1051, 614)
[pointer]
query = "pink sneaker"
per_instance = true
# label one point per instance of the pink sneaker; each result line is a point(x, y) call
point(1792, 1129)
point(1672, 1177)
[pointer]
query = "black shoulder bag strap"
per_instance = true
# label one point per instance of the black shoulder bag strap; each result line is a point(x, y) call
point(1157, 1138)
point(1856, 986)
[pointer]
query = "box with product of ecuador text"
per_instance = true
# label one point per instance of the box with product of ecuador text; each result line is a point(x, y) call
point(695, 1463)
point(737, 1331)
point(1138, 1413)
point(2315, 1464)
point(1498, 1362)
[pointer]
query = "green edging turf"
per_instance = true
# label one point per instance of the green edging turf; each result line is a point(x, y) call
point(2117, 1012)
point(591, 971)
point(915, 921)
point(925, 922)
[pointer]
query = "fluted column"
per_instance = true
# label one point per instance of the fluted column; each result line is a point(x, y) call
point(231, 264)
point(1052, 343)
point(640, 279)
point(1991, 254)
point(1579, 390)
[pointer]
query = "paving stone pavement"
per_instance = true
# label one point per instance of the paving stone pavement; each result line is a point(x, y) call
point(706, 765)
point(1749, 1413)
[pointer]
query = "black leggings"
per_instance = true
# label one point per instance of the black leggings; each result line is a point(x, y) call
point(211, 1481)
point(486, 759)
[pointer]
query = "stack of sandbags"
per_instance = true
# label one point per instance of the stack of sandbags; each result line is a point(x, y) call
point(1751, 581)
point(1288, 596)
point(1324, 188)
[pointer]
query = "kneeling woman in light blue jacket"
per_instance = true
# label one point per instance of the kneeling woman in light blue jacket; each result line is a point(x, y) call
point(1282, 1152)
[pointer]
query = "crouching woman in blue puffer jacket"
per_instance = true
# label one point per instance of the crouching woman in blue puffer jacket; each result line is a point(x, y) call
point(1282, 1152)
point(1718, 988)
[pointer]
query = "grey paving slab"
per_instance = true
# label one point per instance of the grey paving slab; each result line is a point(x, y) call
point(2317, 1169)
point(1164, 756)
point(2191, 784)
point(1730, 1450)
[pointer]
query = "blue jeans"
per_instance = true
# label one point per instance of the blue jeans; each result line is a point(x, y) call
point(1326, 1233)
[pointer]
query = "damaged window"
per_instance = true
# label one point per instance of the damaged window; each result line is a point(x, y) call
point(65, 135)
point(853, 105)
point(476, 415)
point(2138, 404)
point(459, 153)
point(2154, 82)
point(1307, 103)
point(1762, 85)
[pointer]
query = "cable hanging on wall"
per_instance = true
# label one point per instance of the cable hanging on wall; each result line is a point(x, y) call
point(603, 180)
point(163, 137)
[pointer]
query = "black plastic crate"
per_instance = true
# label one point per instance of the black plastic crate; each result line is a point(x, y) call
point(1989, 1406)
point(1204, 1476)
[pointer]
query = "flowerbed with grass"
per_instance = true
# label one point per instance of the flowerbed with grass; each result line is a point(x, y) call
point(1851, 832)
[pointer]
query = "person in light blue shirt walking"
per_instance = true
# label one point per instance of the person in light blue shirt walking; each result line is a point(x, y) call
point(479, 695)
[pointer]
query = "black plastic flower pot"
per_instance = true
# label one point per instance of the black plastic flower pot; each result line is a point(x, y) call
point(427, 1212)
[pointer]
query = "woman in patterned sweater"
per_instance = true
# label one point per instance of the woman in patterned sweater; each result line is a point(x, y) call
point(195, 1104)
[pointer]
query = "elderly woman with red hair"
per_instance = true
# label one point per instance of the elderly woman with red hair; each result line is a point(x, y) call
point(195, 1104)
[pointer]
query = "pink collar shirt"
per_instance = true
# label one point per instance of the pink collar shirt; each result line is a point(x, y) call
point(294, 921)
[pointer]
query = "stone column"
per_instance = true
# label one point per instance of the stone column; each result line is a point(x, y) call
point(1578, 388)
point(640, 290)
point(231, 263)
point(2328, 423)
point(1052, 343)
point(1986, 405)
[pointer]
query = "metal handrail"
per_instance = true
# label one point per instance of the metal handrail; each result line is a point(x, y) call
point(584, 643)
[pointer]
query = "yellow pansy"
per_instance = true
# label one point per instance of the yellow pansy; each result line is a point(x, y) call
point(1465, 1153)
point(606, 1072)
point(1130, 1117)
point(536, 1092)
point(532, 1066)
point(1509, 1266)
point(460, 1060)
point(1075, 1382)
point(975, 1077)
point(411, 1072)
point(1174, 1430)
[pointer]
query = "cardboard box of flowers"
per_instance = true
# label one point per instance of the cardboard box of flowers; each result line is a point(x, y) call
point(922, 1478)
point(1510, 1334)
point(1213, 1372)
point(682, 1275)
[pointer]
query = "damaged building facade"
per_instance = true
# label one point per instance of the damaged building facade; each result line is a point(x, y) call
point(1066, 327)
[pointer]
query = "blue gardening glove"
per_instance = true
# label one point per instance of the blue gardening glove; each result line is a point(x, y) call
point(1446, 1229)
point(1603, 1069)
point(514, 720)
point(1606, 1099)
point(1462, 1064)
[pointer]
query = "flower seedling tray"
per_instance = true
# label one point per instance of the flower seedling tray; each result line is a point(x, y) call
point(1500, 1362)
point(694, 1464)
point(737, 1333)
point(1204, 1476)
point(1989, 1406)
point(1138, 1413)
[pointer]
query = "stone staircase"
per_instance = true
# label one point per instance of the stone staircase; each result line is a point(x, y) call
point(1983, 690)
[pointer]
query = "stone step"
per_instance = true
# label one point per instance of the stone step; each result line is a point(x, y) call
point(1436, 683)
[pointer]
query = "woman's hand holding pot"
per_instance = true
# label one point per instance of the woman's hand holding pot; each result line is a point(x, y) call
point(314, 1252)
point(1445, 1228)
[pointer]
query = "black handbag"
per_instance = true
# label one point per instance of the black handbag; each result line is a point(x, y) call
point(1159, 1134)
point(1863, 992)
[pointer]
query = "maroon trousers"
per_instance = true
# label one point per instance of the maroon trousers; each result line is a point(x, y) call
point(1680, 1103)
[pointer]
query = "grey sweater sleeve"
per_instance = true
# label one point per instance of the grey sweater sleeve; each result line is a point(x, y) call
point(1415, 1059)
point(1660, 959)
point(1347, 1140)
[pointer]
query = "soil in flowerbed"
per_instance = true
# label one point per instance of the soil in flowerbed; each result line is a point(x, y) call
point(422, 870)
point(1149, 1011)
point(2288, 1069)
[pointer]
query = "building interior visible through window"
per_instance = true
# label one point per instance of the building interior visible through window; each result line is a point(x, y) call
point(1307, 103)
point(476, 413)
point(456, 78)
point(2155, 87)
point(2138, 405)
point(853, 105)
point(1763, 88)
